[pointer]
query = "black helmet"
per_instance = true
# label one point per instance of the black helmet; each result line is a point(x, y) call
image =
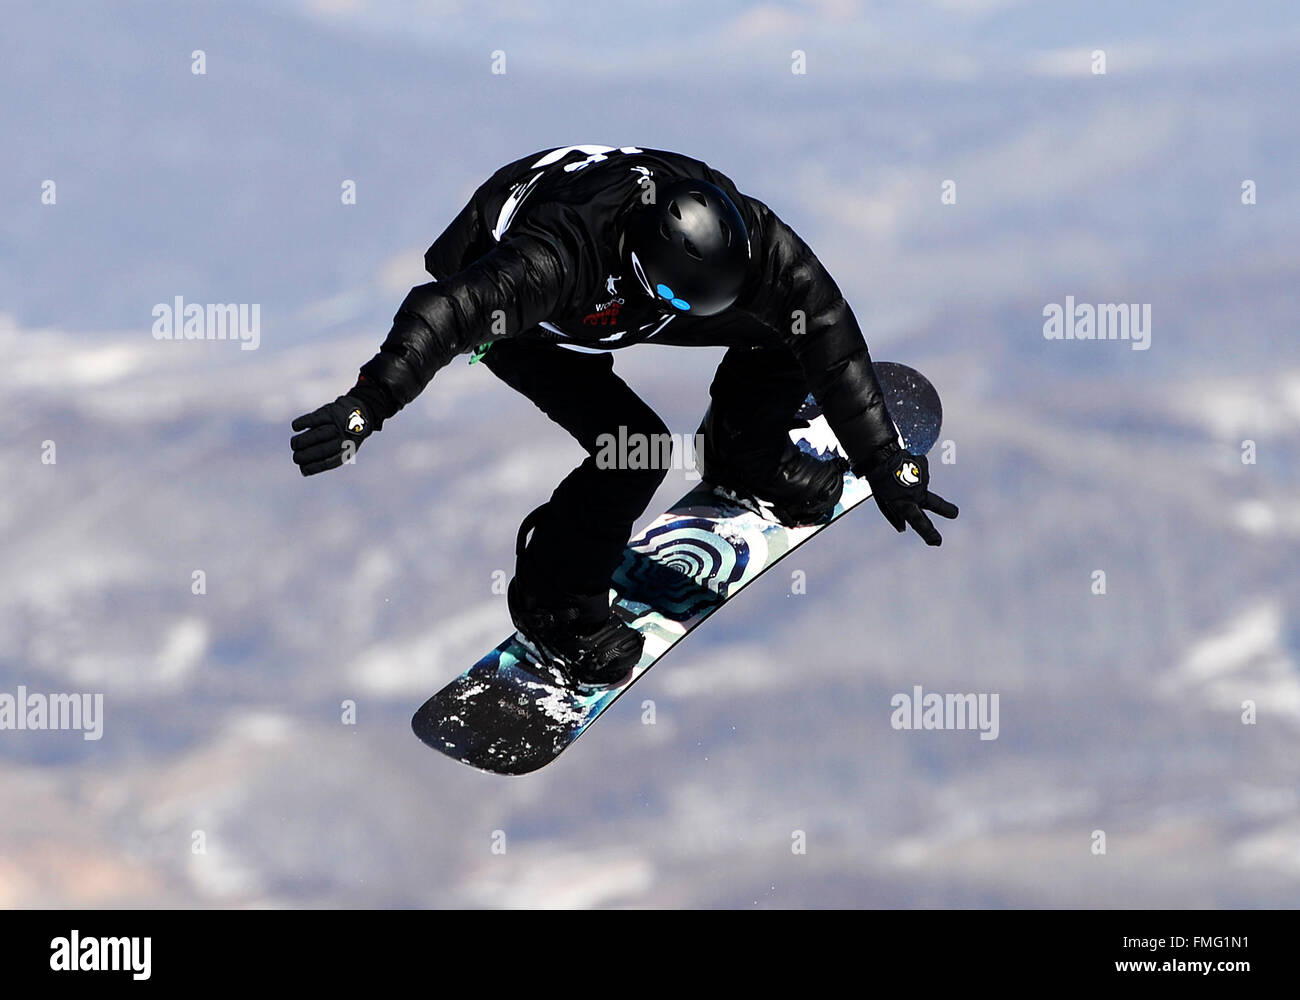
point(690, 247)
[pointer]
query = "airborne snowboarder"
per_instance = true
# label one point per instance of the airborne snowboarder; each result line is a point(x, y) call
point(567, 254)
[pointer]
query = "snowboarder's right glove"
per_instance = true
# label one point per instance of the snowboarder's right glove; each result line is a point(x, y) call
point(900, 485)
point(331, 435)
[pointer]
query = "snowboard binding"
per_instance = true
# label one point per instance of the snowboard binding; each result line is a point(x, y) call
point(590, 650)
point(785, 484)
point(577, 636)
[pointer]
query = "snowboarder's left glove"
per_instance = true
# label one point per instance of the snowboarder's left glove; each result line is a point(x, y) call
point(900, 484)
point(328, 432)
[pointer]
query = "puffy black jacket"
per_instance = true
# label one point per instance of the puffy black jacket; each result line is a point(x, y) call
point(535, 254)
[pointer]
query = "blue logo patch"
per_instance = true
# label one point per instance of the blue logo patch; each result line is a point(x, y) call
point(667, 293)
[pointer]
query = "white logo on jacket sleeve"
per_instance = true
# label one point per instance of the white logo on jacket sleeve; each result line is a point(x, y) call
point(356, 422)
point(517, 195)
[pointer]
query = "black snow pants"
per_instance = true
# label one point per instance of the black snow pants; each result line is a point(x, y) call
point(578, 537)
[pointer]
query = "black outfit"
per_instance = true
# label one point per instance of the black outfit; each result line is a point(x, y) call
point(581, 393)
point(532, 266)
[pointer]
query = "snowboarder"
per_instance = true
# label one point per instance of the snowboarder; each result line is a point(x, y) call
point(567, 254)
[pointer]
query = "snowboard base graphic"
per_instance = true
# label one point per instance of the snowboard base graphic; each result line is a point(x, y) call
point(512, 714)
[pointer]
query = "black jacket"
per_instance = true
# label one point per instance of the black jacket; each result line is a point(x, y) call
point(535, 254)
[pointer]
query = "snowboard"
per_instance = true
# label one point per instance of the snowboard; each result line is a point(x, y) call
point(510, 713)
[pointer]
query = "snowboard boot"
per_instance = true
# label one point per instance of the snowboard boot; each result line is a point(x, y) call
point(801, 488)
point(578, 634)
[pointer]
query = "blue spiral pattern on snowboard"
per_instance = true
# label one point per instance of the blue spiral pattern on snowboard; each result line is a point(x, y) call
point(683, 569)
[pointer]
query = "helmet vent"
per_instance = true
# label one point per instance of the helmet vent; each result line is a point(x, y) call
point(698, 196)
point(726, 232)
point(691, 249)
point(663, 231)
point(672, 207)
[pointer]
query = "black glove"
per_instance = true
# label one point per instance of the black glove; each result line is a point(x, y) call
point(326, 431)
point(900, 485)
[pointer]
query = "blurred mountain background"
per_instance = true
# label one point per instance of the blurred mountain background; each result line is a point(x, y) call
point(1119, 713)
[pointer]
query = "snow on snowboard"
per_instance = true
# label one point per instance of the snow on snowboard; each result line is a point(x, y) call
point(511, 714)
